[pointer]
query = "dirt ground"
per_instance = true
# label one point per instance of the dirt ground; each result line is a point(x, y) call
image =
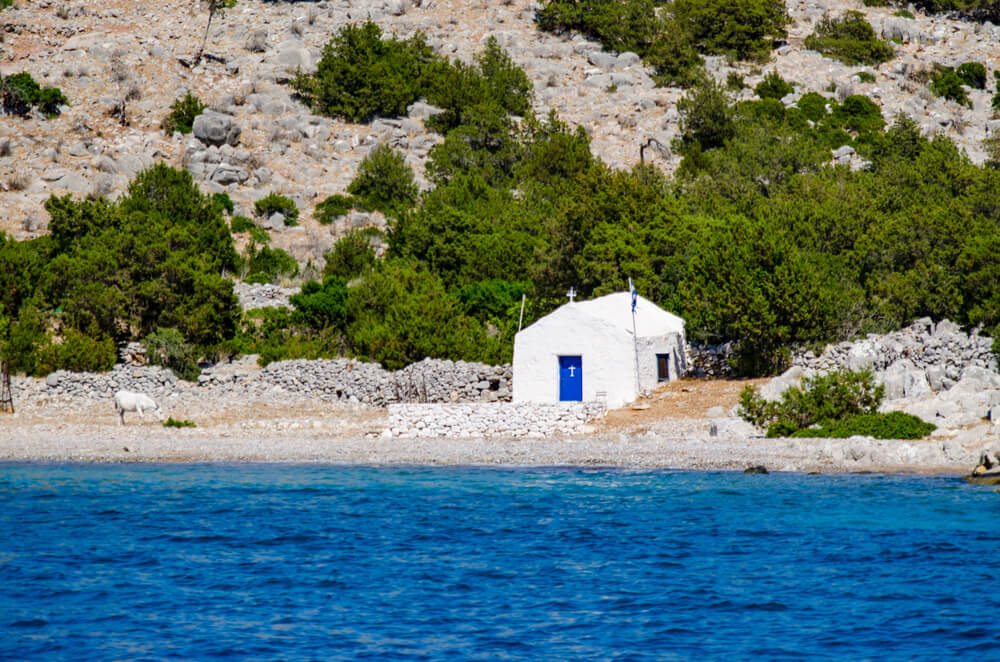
point(684, 398)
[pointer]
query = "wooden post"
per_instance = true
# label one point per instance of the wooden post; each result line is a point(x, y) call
point(6, 395)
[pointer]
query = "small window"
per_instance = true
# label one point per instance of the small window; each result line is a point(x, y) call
point(663, 367)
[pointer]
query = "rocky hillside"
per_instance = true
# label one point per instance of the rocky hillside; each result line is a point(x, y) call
point(101, 52)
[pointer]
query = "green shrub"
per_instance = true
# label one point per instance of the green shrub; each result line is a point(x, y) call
point(19, 93)
point(167, 347)
point(773, 86)
point(674, 58)
point(332, 208)
point(322, 305)
point(384, 182)
point(735, 82)
point(707, 116)
point(996, 96)
point(277, 204)
point(743, 29)
point(903, 13)
point(972, 74)
point(945, 82)
point(259, 235)
point(664, 43)
point(830, 397)
point(223, 202)
point(399, 314)
point(859, 114)
point(894, 425)
point(491, 80)
point(850, 39)
point(182, 113)
point(350, 257)
point(172, 422)
point(77, 352)
point(242, 224)
point(865, 76)
point(6, 3)
point(153, 258)
point(813, 105)
point(266, 265)
point(620, 25)
point(362, 76)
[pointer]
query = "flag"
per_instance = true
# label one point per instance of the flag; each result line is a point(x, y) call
point(635, 295)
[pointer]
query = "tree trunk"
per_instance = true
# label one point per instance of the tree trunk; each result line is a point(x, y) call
point(204, 39)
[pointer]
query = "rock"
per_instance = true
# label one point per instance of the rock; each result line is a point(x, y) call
point(294, 56)
point(774, 389)
point(946, 328)
point(420, 110)
point(226, 174)
point(915, 384)
point(74, 183)
point(626, 60)
point(397, 7)
point(756, 469)
point(715, 412)
point(602, 59)
point(936, 378)
point(214, 128)
point(861, 356)
point(843, 154)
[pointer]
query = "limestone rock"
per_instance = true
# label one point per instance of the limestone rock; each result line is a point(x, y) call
point(214, 128)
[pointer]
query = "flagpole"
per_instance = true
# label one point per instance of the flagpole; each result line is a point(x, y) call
point(635, 337)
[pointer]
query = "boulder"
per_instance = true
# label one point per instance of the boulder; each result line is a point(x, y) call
point(937, 378)
point(226, 174)
point(293, 55)
point(626, 60)
point(774, 389)
point(398, 7)
point(602, 59)
point(215, 128)
point(861, 356)
point(915, 383)
point(419, 110)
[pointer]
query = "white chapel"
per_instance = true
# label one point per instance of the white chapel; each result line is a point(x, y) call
point(597, 350)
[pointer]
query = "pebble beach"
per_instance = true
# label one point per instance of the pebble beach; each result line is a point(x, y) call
point(299, 430)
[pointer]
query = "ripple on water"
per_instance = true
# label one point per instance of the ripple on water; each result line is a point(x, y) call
point(342, 563)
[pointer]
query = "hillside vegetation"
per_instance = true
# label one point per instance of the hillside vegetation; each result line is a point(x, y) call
point(758, 236)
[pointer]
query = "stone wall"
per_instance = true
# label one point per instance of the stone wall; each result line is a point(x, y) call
point(152, 380)
point(499, 419)
point(942, 350)
point(430, 380)
point(346, 380)
point(708, 360)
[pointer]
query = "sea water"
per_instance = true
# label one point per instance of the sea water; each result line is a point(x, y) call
point(319, 562)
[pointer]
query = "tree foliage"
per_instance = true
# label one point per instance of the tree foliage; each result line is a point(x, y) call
point(182, 113)
point(850, 39)
point(114, 272)
point(19, 93)
point(384, 182)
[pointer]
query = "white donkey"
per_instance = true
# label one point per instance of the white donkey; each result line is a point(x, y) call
point(137, 402)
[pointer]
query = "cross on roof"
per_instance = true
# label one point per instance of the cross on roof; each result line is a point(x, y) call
point(571, 294)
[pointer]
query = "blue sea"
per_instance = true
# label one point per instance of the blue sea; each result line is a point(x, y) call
point(319, 562)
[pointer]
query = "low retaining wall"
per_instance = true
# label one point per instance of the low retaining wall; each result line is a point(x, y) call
point(492, 420)
point(331, 380)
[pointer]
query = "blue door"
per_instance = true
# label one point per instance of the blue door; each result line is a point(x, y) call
point(570, 379)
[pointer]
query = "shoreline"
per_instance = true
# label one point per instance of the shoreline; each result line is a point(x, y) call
point(685, 427)
point(640, 450)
